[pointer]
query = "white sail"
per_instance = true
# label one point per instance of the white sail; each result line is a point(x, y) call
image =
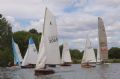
point(51, 39)
point(89, 55)
point(41, 60)
point(66, 57)
point(31, 54)
point(102, 40)
point(17, 55)
point(98, 56)
point(18, 52)
point(48, 48)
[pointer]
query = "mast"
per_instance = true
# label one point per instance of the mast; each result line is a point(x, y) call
point(44, 20)
point(102, 40)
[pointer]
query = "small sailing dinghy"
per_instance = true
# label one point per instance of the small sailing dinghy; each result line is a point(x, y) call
point(49, 48)
point(98, 59)
point(102, 41)
point(66, 57)
point(17, 54)
point(30, 57)
point(40, 68)
point(88, 56)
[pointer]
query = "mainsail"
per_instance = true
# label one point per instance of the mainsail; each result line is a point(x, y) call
point(41, 60)
point(17, 55)
point(98, 56)
point(49, 47)
point(31, 54)
point(51, 39)
point(66, 57)
point(102, 40)
point(89, 54)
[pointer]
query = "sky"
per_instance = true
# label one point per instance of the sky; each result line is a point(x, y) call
point(76, 19)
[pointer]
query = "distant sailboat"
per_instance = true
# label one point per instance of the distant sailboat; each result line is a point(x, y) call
point(66, 57)
point(98, 57)
point(102, 41)
point(30, 57)
point(88, 55)
point(17, 55)
point(49, 47)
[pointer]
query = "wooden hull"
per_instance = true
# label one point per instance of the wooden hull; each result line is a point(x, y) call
point(65, 64)
point(52, 66)
point(44, 72)
point(28, 66)
point(87, 66)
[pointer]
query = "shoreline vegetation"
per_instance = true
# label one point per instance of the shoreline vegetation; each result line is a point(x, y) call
point(22, 37)
point(109, 61)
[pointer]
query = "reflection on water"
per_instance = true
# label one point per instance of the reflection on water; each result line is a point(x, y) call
point(111, 71)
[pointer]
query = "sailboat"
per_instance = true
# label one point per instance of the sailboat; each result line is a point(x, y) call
point(30, 57)
point(98, 59)
point(49, 47)
point(66, 57)
point(102, 41)
point(17, 54)
point(88, 56)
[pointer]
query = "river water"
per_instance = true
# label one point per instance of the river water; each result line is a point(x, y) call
point(111, 71)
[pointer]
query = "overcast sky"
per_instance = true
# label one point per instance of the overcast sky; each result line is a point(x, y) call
point(75, 18)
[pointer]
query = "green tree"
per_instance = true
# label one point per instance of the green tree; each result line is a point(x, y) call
point(22, 38)
point(95, 50)
point(0, 15)
point(61, 49)
point(76, 54)
point(114, 53)
point(5, 42)
point(34, 31)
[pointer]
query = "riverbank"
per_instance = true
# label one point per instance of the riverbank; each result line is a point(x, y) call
point(109, 61)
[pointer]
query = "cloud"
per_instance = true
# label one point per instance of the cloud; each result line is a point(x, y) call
point(75, 18)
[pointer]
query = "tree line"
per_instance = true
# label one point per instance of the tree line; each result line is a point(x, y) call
point(22, 37)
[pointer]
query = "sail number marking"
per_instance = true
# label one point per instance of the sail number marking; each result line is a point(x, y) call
point(53, 39)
